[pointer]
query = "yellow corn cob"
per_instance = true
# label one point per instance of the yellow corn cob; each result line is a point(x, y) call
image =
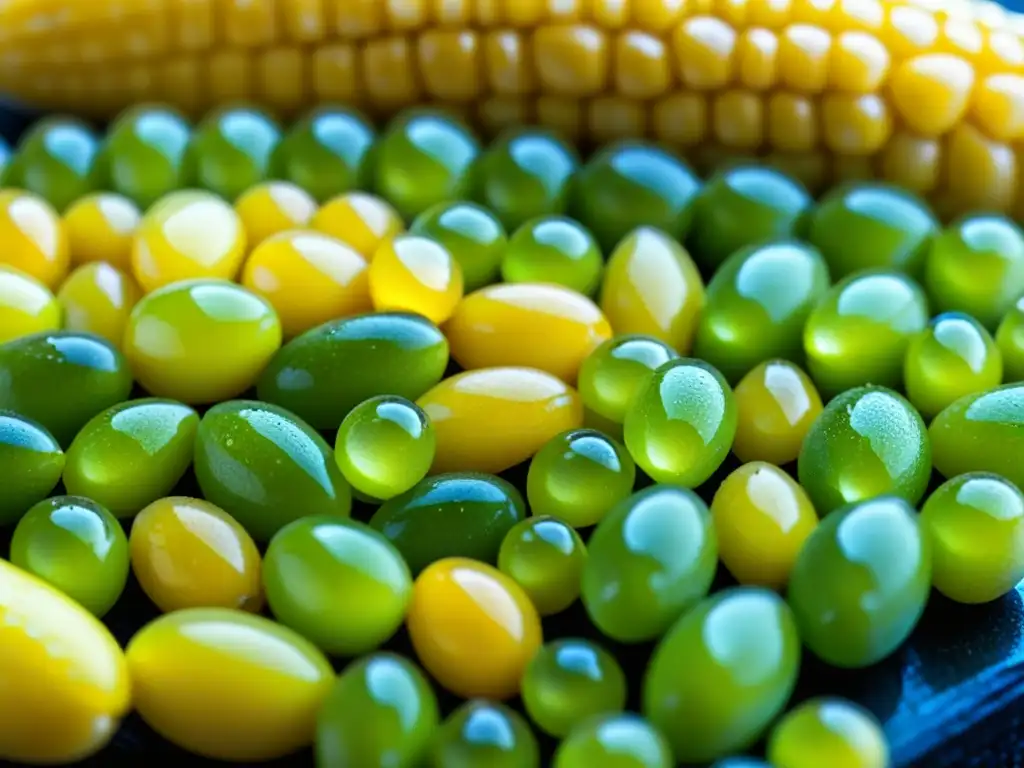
point(927, 94)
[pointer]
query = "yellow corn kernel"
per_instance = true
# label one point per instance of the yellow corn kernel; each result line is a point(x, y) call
point(858, 63)
point(388, 70)
point(911, 162)
point(681, 119)
point(854, 125)
point(448, 64)
point(304, 20)
point(704, 48)
point(560, 114)
point(358, 220)
point(998, 106)
point(792, 123)
point(756, 56)
point(571, 59)
point(642, 68)
point(738, 119)
point(496, 112)
point(809, 168)
point(335, 74)
point(281, 79)
point(357, 19)
point(931, 92)
point(611, 118)
point(803, 58)
point(507, 63)
point(981, 174)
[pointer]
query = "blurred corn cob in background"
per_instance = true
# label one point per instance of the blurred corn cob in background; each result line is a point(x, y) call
point(929, 95)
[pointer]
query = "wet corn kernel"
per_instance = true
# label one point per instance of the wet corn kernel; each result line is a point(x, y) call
point(776, 404)
point(187, 234)
point(309, 278)
point(98, 298)
point(26, 305)
point(100, 227)
point(415, 274)
point(361, 221)
point(273, 207)
point(35, 239)
point(762, 518)
point(473, 628)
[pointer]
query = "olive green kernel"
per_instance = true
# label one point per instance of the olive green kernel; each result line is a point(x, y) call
point(473, 236)
point(553, 249)
point(861, 581)
point(569, 681)
point(953, 357)
point(76, 545)
point(485, 734)
point(31, 462)
point(578, 476)
point(385, 446)
point(614, 741)
point(975, 523)
point(867, 442)
point(650, 559)
point(612, 374)
point(231, 150)
point(544, 556)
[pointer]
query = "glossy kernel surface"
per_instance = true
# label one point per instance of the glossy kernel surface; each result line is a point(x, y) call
point(184, 671)
point(622, 740)
point(723, 673)
point(273, 207)
point(537, 325)
point(473, 628)
point(570, 681)
point(680, 426)
point(410, 273)
point(975, 523)
point(828, 731)
point(553, 249)
point(201, 341)
point(34, 461)
point(776, 404)
point(60, 665)
point(867, 442)
point(472, 234)
point(77, 546)
point(99, 298)
point(26, 306)
point(544, 556)
point(649, 560)
point(527, 406)
point(484, 733)
point(35, 239)
point(309, 278)
point(360, 220)
point(762, 519)
point(189, 553)
point(187, 234)
point(101, 227)
point(231, 150)
point(578, 476)
point(861, 582)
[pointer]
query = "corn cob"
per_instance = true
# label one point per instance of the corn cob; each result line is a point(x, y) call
point(928, 94)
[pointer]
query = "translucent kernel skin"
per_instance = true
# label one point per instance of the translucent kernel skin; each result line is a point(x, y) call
point(616, 741)
point(976, 266)
point(100, 227)
point(35, 239)
point(762, 518)
point(525, 173)
point(776, 404)
point(186, 235)
point(473, 628)
point(61, 665)
point(680, 426)
point(570, 681)
point(231, 150)
point(145, 155)
point(861, 582)
point(859, 332)
point(98, 298)
point(56, 159)
point(327, 152)
point(553, 249)
point(828, 731)
point(189, 553)
point(503, 324)
point(869, 225)
point(867, 442)
point(26, 305)
point(272, 207)
point(953, 357)
point(1010, 341)
point(423, 158)
point(651, 559)
point(723, 673)
point(183, 666)
point(33, 460)
point(757, 306)
point(630, 184)
point(338, 583)
point(131, 454)
point(652, 287)
point(361, 221)
point(743, 206)
point(380, 711)
point(975, 523)
point(385, 446)
point(78, 547)
point(579, 476)
point(309, 278)
point(545, 556)
point(472, 234)
point(415, 274)
point(612, 374)
point(484, 733)
point(201, 341)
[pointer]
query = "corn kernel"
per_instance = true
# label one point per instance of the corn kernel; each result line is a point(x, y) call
point(855, 125)
point(448, 64)
point(507, 63)
point(792, 123)
point(642, 69)
point(932, 92)
point(998, 106)
point(803, 58)
point(859, 63)
point(571, 59)
point(704, 48)
point(738, 118)
point(756, 55)
point(681, 119)
point(911, 162)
